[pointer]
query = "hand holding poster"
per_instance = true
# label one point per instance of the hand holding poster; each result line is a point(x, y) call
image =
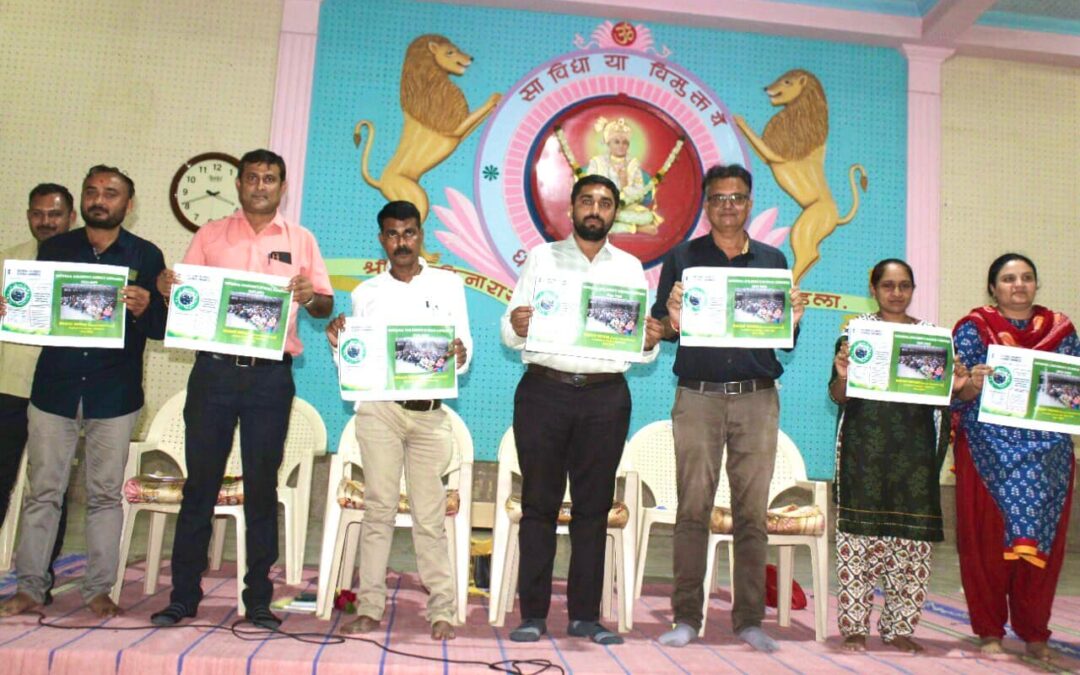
point(64, 304)
point(576, 317)
point(396, 363)
point(736, 307)
point(899, 362)
point(228, 311)
point(1031, 389)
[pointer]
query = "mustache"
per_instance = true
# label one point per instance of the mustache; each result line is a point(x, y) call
point(402, 250)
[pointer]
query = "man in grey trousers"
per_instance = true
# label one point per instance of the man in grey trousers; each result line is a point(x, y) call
point(97, 391)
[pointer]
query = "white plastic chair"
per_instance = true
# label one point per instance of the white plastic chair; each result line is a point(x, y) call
point(619, 561)
point(341, 529)
point(789, 472)
point(11, 520)
point(652, 454)
point(306, 437)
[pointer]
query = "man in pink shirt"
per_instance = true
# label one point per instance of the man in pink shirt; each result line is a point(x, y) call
point(257, 393)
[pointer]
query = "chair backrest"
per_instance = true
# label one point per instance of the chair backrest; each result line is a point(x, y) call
point(788, 469)
point(652, 451)
point(306, 437)
point(348, 451)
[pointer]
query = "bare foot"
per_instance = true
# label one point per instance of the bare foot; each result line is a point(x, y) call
point(991, 646)
point(362, 624)
point(103, 606)
point(1039, 650)
point(904, 644)
point(17, 604)
point(855, 643)
point(442, 630)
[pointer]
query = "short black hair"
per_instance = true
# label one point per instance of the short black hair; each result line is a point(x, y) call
point(593, 179)
point(1002, 261)
point(105, 168)
point(263, 156)
point(879, 270)
point(398, 210)
point(718, 171)
point(43, 189)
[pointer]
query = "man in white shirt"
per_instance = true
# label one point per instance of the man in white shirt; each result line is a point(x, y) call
point(413, 434)
point(571, 416)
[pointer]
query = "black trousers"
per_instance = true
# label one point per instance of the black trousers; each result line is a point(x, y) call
point(564, 430)
point(219, 395)
point(13, 434)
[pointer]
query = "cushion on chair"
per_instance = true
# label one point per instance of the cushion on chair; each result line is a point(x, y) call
point(148, 489)
point(790, 519)
point(618, 516)
point(350, 495)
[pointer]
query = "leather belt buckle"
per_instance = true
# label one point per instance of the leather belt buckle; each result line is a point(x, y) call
point(245, 361)
point(734, 387)
point(579, 379)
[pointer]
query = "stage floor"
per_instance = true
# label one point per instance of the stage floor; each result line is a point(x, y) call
point(128, 644)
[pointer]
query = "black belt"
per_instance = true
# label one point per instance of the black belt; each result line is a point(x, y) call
point(740, 387)
point(572, 379)
point(420, 406)
point(246, 361)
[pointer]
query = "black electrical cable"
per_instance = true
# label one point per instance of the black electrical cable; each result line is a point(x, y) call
point(511, 666)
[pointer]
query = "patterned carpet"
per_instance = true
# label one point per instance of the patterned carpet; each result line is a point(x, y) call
point(127, 645)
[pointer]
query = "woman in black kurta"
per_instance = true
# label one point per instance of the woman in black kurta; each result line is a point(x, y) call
point(888, 503)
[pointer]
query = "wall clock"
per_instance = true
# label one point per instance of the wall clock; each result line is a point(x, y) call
point(204, 189)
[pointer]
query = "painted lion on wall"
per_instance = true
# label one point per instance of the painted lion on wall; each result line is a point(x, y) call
point(793, 145)
point(437, 119)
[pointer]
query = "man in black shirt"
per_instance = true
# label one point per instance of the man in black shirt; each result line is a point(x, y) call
point(97, 391)
point(726, 396)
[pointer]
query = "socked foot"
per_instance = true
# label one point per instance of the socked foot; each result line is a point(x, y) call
point(362, 624)
point(680, 635)
point(905, 644)
point(855, 643)
point(991, 646)
point(103, 606)
point(758, 639)
point(1039, 650)
point(17, 604)
point(442, 630)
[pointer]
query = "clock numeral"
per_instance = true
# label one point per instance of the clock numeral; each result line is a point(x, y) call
point(217, 166)
point(191, 179)
point(187, 205)
point(195, 217)
point(202, 169)
point(185, 191)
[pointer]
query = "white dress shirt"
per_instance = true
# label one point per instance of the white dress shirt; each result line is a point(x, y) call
point(565, 258)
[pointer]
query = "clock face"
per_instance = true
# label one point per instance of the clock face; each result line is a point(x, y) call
point(204, 189)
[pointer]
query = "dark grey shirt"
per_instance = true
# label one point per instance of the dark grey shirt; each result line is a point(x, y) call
point(717, 364)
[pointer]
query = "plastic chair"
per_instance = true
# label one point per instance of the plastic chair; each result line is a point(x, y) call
point(306, 437)
point(619, 561)
point(11, 520)
point(652, 454)
point(341, 530)
point(789, 471)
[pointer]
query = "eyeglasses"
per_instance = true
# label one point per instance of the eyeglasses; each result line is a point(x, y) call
point(738, 200)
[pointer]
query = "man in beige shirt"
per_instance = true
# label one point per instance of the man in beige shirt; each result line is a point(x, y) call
point(51, 211)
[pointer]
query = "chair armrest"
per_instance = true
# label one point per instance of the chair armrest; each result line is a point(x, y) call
point(819, 489)
point(136, 449)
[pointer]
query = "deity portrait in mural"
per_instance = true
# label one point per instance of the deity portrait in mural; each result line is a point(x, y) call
point(793, 145)
point(636, 145)
point(637, 212)
point(437, 119)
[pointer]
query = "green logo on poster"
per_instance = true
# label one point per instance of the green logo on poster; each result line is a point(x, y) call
point(546, 302)
point(18, 294)
point(694, 298)
point(353, 351)
point(861, 352)
point(186, 298)
point(1000, 378)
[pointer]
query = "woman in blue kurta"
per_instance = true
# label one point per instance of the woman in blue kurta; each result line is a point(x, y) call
point(1013, 486)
